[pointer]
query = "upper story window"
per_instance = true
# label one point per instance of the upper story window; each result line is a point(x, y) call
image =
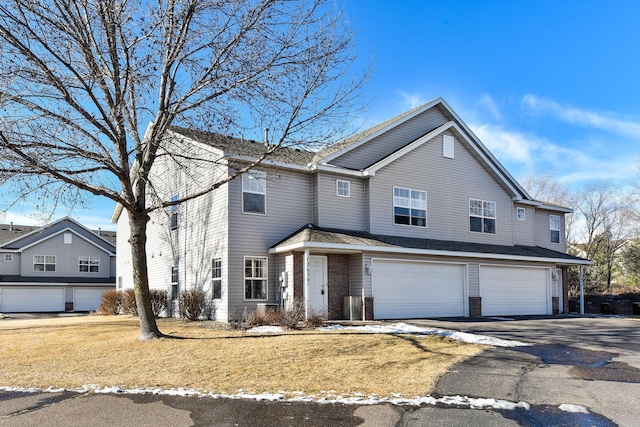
point(520, 214)
point(255, 278)
point(8, 257)
point(554, 226)
point(343, 188)
point(254, 190)
point(216, 278)
point(174, 213)
point(482, 216)
point(44, 263)
point(89, 264)
point(174, 282)
point(68, 238)
point(409, 207)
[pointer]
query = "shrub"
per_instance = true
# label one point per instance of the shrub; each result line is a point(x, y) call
point(111, 303)
point(192, 304)
point(159, 302)
point(314, 322)
point(129, 302)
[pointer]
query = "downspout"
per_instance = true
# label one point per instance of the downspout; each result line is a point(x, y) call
point(581, 293)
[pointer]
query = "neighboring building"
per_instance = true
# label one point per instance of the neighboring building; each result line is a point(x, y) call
point(60, 267)
point(411, 218)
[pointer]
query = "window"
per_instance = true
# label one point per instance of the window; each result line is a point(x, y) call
point(216, 278)
point(254, 189)
point(44, 263)
point(343, 188)
point(68, 238)
point(409, 207)
point(255, 278)
point(520, 214)
point(174, 213)
point(482, 216)
point(554, 226)
point(88, 264)
point(174, 282)
point(8, 257)
point(119, 285)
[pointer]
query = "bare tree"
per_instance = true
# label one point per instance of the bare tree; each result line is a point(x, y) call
point(80, 80)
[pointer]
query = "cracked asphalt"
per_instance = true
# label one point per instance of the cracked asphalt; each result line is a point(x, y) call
point(590, 362)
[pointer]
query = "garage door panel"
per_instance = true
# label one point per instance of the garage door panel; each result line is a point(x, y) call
point(87, 299)
point(407, 289)
point(25, 300)
point(514, 291)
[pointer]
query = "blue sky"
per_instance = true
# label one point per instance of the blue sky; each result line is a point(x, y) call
point(548, 86)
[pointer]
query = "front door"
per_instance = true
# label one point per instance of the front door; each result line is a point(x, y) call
point(317, 292)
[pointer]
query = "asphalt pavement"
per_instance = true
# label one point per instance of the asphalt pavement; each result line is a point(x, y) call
point(590, 364)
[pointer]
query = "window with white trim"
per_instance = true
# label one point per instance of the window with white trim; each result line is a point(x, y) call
point(482, 216)
point(44, 263)
point(255, 278)
point(409, 207)
point(216, 278)
point(254, 192)
point(343, 188)
point(68, 238)
point(119, 285)
point(174, 282)
point(520, 214)
point(174, 213)
point(88, 264)
point(554, 227)
point(8, 257)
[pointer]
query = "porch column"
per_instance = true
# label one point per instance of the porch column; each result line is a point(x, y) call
point(581, 293)
point(305, 283)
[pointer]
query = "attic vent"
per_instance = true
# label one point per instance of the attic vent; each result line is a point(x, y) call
point(447, 146)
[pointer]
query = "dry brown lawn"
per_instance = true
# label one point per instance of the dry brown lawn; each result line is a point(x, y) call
point(104, 351)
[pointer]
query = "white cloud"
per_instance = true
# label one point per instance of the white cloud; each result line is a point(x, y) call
point(488, 103)
point(582, 117)
point(412, 100)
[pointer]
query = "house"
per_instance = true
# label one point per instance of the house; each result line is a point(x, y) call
point(411, 218)
point(60, 267)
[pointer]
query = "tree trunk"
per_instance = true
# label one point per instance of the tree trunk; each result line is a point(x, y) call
point(138, 240)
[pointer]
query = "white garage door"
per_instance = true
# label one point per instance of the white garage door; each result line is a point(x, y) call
point(510, 291)
point(25, 300)
point(407, 289)
point(87, 299)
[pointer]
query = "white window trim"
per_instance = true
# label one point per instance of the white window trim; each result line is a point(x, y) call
point(524, 214)
point(45, 263)
point(495, 218)
point(173, 282)
point(265, 278)
point(174, 213)
point(426, 205)
point(216, 278)
point(559, 229)
point(89, 262)
point(259, 175)
point(448, 144)
point(8, 257)
point(347, 187)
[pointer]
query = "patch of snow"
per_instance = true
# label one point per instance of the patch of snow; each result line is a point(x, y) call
point(403, 328)
point(578, 409)
point(265, 329)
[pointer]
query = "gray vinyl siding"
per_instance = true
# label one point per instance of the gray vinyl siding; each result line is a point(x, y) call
point(391, 141)
point(10, 267)
point(543, 231)
point(473, 277)
point(67, 258)
point(356, 273)
point(336, 211)
point(449, 184)
point(288, 208)
point(523, 231)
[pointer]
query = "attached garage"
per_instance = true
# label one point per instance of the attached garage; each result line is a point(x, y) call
point(87, 299)
point(508, 291)
point(413, 289)
point(25, 300)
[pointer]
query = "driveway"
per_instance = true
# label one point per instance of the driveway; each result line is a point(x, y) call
point(590, 362)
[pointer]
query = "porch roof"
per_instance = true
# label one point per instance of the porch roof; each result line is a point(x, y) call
point(312, 237)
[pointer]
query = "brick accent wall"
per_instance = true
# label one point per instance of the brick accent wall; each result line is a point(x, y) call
point(555, 305)
point(338, 284)
point(565, 290)
point(475, 306)
point(298, 276)
point(368, 308)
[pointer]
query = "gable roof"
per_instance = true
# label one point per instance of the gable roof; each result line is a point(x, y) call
point(311, 236)
point(18, 237)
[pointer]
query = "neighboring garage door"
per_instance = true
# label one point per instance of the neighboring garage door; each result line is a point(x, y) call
point(509, 291)
point(408, 289)
point(24, 300)
point(86, 299)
